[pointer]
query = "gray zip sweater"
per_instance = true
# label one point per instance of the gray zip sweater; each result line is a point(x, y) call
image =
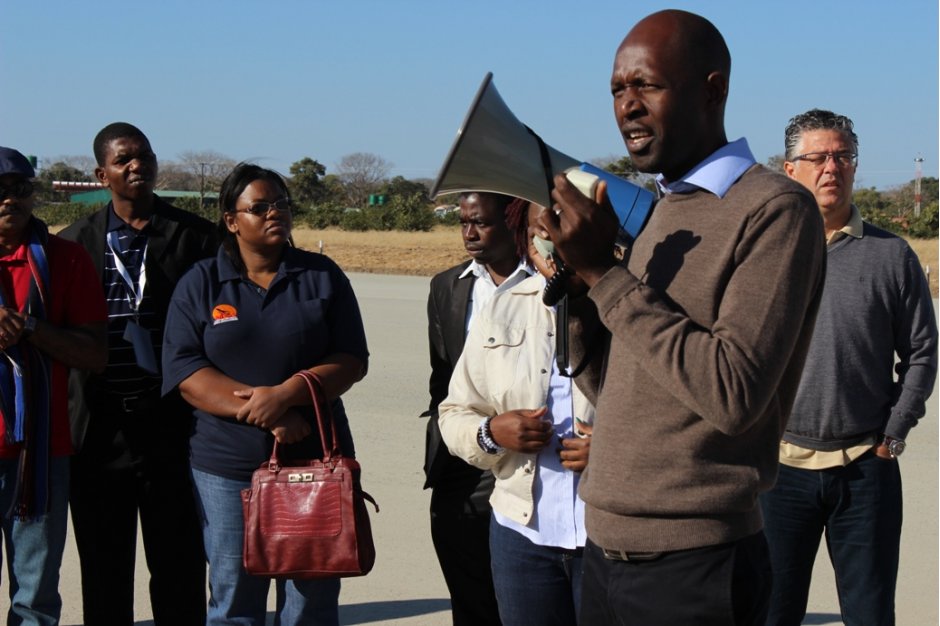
point(710, 322)
point(876, 304)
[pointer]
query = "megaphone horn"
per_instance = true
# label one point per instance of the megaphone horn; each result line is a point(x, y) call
point(495, 152)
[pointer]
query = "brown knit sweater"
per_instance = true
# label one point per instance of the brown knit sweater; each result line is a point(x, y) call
point(710, 321)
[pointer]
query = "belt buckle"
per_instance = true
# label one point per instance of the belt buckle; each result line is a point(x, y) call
point(131, 399)
point(623, 555)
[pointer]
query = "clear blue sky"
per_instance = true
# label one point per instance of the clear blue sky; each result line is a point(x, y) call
point(276, 80)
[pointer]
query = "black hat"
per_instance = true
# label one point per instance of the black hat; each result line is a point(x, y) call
point(12, 162)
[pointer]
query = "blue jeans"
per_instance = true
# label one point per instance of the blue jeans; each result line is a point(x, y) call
point(236, 597)
point(535, 585)
point(34, 548)
point(858, 507)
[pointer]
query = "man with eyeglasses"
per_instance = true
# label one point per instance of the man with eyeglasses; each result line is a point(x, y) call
point(870, 369)
point(133, 458)
point(52, 318)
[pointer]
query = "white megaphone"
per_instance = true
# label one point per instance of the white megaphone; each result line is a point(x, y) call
point(496, 152)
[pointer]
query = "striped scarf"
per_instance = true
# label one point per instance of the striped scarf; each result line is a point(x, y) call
point(25, 391)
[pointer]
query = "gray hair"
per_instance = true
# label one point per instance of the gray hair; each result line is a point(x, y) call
point(816, 119)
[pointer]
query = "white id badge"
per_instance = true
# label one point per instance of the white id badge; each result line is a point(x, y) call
point(139, 337)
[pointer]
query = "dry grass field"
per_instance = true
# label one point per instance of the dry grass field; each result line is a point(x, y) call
point(425, 254)
point(387, 252)
point(927, 252)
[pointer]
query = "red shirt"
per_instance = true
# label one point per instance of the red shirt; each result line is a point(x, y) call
point(75, 299)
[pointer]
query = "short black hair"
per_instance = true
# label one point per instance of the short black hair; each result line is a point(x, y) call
point(115, 130)
point(234, 184)
point(500, 200)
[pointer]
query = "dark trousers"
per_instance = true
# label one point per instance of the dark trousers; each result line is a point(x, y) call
point(723, 585)
point(858, 507)
point(462, 542)
point(114, 482)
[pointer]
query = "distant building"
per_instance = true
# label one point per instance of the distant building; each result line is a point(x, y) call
point(94, 193)
point(445, 209)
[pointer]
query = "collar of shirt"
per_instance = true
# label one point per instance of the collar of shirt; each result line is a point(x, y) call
point(479, 271)
point(855, 227)
point(18, 256)
point(533, 283)
point(716, 173)
point(116, 223)
point(484, 288)
point(227, 271)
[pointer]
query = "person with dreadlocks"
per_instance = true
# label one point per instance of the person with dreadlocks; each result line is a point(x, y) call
point(513, 409)
point(52, 318)
point(460, 510)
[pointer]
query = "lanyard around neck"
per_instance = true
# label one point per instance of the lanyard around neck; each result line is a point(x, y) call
point(135, 293)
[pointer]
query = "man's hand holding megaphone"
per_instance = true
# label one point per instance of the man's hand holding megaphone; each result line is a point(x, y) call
point(582, 229)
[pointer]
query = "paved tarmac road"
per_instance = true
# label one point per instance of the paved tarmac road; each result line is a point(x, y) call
point(406, 587)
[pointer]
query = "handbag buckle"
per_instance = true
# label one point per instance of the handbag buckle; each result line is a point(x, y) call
point(300, 477)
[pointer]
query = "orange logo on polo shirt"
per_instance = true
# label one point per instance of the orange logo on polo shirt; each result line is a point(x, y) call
point(224, 313)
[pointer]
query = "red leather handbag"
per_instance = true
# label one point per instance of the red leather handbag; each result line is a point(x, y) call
point(309, 519)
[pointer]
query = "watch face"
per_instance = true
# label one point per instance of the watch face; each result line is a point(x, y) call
point(896, 447)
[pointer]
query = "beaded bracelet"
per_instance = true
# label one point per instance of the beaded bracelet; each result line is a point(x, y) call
point(485, 438)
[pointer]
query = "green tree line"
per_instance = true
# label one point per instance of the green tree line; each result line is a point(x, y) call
point(359, 195)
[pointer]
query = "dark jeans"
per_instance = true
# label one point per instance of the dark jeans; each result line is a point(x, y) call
point(115, 481)
point(723, 585)
point(461, 539)
point(535, 585)
point(858, 507)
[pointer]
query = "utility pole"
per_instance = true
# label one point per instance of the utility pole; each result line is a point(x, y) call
point(918, 171)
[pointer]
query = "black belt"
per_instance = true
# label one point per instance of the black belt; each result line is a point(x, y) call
point(133, 404)
point(623, 555)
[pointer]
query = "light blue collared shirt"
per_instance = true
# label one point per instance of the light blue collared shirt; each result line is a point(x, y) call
point(716, 173)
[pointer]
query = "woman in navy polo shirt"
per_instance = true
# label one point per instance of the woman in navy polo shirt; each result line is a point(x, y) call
point(239, 326)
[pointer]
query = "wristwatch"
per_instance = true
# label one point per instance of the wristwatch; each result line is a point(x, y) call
point(29, 327)
point(895, 446)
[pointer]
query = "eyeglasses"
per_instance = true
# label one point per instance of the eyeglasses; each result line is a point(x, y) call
point(19, 189)
point(260, 209)
point(819, 159)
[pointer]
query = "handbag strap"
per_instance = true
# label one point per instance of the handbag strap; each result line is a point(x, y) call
point(323, 412)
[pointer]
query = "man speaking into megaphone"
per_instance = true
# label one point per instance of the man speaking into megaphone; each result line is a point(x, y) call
point(709, 318)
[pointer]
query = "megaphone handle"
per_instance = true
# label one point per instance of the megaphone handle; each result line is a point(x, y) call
point(561, 335)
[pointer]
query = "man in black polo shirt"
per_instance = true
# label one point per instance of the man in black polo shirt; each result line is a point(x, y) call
point(133, 444)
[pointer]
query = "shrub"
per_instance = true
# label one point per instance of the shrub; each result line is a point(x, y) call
point(64, 213)
point(209, 210)
point(357, 220)
point(321, 216)
point(925, 226)
point(411, 213)
point(451, 218)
